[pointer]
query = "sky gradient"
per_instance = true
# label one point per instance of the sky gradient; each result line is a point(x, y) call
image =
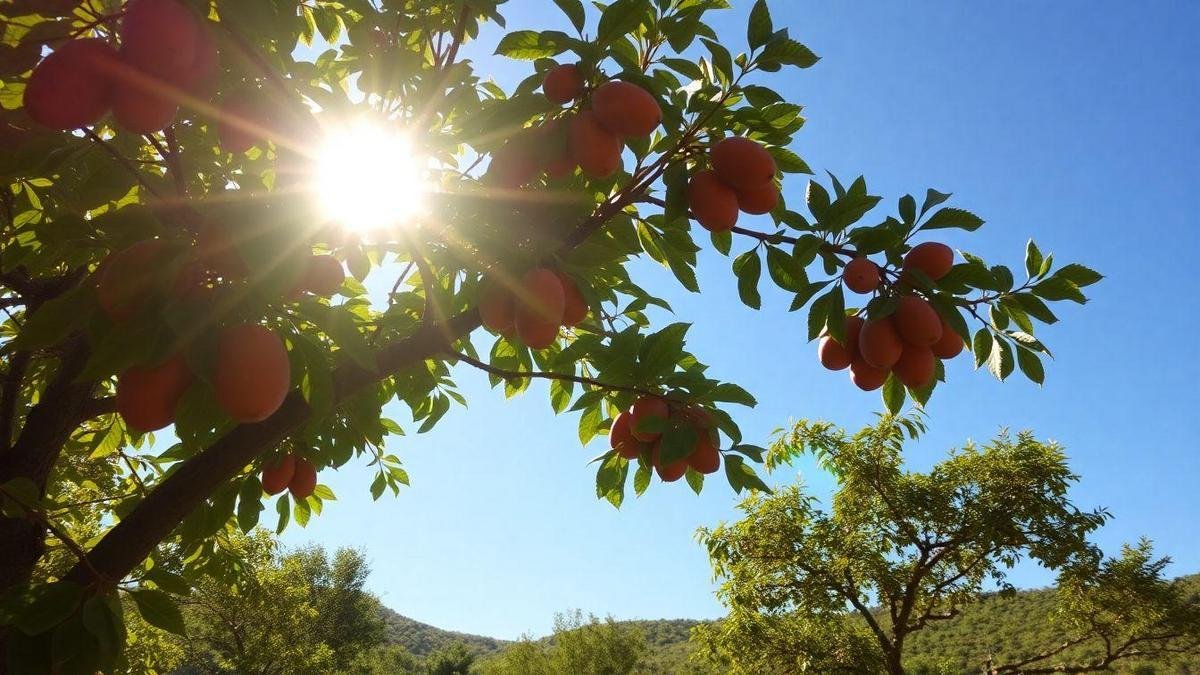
point(1074, 122)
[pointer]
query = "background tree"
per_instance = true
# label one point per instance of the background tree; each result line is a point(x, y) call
point(452, 659)
point(587, 647)
point(902, 551)
point(168, 263)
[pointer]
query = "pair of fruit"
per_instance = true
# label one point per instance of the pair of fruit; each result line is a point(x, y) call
point(742, 178)
point(534, 308)
point(933, 259)
point(294, 474)
point(908, 344)
point(251, 378)
point(630, 437)
point(621, 108)
point(166, 55)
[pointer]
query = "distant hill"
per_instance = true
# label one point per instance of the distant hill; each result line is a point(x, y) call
point(1002, 626)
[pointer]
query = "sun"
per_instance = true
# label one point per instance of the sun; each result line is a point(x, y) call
point(369, 177)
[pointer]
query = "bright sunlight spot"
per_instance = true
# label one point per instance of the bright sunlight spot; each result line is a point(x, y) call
point(369, 178)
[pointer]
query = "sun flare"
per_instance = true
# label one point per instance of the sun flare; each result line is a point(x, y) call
point(369, 177)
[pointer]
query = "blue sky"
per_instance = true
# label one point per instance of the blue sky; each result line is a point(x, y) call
point(1073, 122)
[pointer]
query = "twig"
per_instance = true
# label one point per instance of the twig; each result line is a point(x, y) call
point(133, 170)
point(518, 375)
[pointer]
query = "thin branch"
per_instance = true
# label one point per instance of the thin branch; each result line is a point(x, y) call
point(520, 375)
point(59, 533)
point(124, 161)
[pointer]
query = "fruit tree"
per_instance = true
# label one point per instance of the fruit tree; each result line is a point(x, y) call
point(169, 263)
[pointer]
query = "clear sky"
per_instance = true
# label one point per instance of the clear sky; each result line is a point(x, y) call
point(1073, 122)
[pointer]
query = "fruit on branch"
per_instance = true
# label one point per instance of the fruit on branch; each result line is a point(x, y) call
point(669, 473)
point(742, 163)
point(626, 109)
point(253, 374)
point(594, 148)
point(540, 304)
point(322, 275)
point(917, 321)
point(555, 153)
point(277, 475)
point(72, 87)
point(513, 165)
point(620, 437)
point(705, 458)
point(160, 37)
point(759, 200)
point(879, 343)
point(712, 202)
point(496, 305)
point(949, 345)
point(200, 80)
point(575, 308)
point(563, 83)
point(147, 395)
point(861, 275)
point(242, 123)
point(932, 258)
point(645, 409)
point(833, 354)
point(866, 376)
point(127, 278)
point(916, 366)
point(304, 479)
point(142, 107)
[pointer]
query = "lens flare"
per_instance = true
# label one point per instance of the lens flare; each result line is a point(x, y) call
point(369, 178)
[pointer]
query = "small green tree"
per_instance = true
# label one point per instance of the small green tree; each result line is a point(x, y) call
point(348, 618)
point(899, 549)
point(584, 646)
point(455, 658)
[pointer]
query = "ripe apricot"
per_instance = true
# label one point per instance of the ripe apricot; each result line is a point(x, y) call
point(916, 366)
point(742, 163)
point(159, 37)
point(304, 480)
point(553, 149)
point(626, 109)
point(563, 83)
point(252, 374)
point(127, 279)
point(534, 331)
point(879, 343)
point(595, 149)
point(861, 275)
point(200, 80)
point(714, 205)
point(496, 305)
point(669, 473)
point(620, 437)
point(512, 166)
point(277, 475)
point(759, 200)
point(139, 108)
point(949, 345)
point(147, 395)
point(917, 321)
point(932, 258)
point(72, 87)
point(644, 409)
point(575, 309)
point(706, 458)
point(833, 354)
point(323, 275)
point(866, 376)
point(854, 326)
point(540, 304)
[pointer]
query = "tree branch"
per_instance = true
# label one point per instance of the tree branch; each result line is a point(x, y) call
point(519, 375)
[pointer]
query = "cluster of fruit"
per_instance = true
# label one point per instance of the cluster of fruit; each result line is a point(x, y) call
point(906, 343)
point(591, 139)
point(532, 309)
point(251, 375)
point(632, 438)
point(742, 178)
point(166, 55)
point(295, 474)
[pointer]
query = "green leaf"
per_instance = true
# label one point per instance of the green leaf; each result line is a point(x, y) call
point(695, 480)
point(981, 346)
point(1059, 288)
point(530, 44)
point(952, 217)
point(677, 443)
point(721, 59)
point(621, 17)
point(574, 11)
point(283, 508)
point(932, 199)
point(828, 312)
point(742, 476)
point(249, 503)
point(1078, 274)
point(1035, 307)
point(158, 609)
point(760, 28)
point(57, 318)
point(893, 394)
point(1000, 361)
point(786, 51)
point(49, 605)
point(1031, 365)
point(908, 209)
point(641, 478)
point(1033, 259)
point(788, 161)
point(660, 351)
point(784, 270)
point(748, 269)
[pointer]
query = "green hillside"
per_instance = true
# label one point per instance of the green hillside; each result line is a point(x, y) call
point(1005, 627)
